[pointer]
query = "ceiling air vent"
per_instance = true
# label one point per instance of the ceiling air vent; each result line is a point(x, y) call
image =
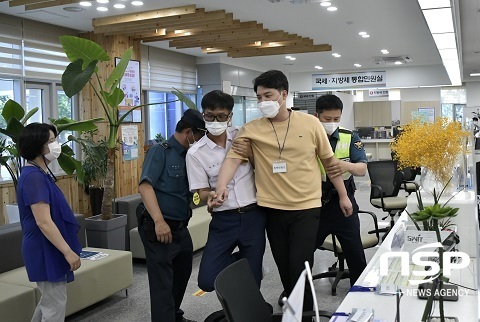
point(391, 60)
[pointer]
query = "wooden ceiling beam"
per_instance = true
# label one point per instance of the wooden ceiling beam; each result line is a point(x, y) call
point(279, 51)
point(249, 45)
point(144, 15)
point(149, 31)
point(253, 34)
point(174, 22)
point(196, 28)
point(49, 4)
point(16, 3)
point(219, 30)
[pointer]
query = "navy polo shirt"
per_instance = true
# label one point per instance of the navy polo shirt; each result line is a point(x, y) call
point(357, 152)
point(164, 168)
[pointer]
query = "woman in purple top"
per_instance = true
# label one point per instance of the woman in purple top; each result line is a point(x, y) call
point(50, 245)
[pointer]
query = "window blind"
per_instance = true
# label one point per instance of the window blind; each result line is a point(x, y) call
point(163, 70)
point(32, 49)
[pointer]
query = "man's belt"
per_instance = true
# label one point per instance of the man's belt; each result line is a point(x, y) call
point(240, 210)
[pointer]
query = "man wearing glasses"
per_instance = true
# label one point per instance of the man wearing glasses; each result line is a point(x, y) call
point(239, 222)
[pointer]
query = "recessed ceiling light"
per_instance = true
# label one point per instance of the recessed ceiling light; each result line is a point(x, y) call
point(398, 62)
point(332, 9)
point(102, 1)
point(293, 58)
point(288, 57)
point(119, 6)
point(336, 55)
point(102, 9)
point(357, 65)
point(85, 4)
point(325, 4)
point(365, 36)
point(318, 67)
point(73, 9)
point(137, 3)
point(361, 33)
point(384, 51)
point(475, 74)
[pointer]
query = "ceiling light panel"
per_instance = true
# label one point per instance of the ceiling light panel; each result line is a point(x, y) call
point(102, 9)
point(439, 20)
point(332, 9)
point(445, 41)
point(432, 4)
point(119, 5)
point(85, 4)
point(137, 3)
point(102, 1)
point(325, 4)
point(448, 54)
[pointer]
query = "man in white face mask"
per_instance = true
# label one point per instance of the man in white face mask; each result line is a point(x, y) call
point(286, 145)
point(348, 148)
point(239, 222)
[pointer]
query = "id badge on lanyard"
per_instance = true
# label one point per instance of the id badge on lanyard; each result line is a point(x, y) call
point(279, 166)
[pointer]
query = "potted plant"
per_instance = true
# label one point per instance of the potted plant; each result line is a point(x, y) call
point(94, 166)
point(436, 147)
point(16, 118)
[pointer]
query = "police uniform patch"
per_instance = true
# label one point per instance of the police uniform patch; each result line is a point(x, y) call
point(358, 145)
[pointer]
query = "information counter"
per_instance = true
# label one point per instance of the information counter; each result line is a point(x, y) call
point(411, 308)
point(379, 148)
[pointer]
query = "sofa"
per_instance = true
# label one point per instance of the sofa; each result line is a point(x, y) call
point(94, 281)
point(198, 225)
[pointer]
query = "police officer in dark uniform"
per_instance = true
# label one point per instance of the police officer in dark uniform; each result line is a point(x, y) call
point(163, 217)
point(348, 148)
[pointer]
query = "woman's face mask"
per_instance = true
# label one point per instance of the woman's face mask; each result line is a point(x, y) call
point(269, 108)
point(55, 151)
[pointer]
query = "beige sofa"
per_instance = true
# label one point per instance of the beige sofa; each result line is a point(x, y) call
point(94, 280)
point(198, 225)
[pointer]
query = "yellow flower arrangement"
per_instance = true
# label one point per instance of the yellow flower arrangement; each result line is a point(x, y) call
point(434, 146)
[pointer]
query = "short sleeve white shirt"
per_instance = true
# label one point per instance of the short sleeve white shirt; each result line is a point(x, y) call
point(204, 160)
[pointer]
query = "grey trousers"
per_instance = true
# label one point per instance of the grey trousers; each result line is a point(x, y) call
point(53, 302)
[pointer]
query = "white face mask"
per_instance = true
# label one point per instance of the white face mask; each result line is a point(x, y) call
point(216, 128)
point(55, 151)
point(190, 144)
point(330, 127)
point(269, 108)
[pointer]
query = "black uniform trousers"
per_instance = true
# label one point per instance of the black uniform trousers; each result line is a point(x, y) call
point(292, 235)
point(347, 231)
point(169, 267)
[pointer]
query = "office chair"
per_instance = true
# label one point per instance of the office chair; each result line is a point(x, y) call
point(332, 244)
point(408, 177)
point(386, 179)
point(240, 297)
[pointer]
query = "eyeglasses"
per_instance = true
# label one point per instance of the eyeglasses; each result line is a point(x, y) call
point(219, 117)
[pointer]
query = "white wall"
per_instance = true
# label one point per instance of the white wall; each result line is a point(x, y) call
point(420, 94)
point(347, 119)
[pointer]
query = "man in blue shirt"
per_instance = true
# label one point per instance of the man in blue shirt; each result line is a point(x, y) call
point(163, 217)
point(348, 149)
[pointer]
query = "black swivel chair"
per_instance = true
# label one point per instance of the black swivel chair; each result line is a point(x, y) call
point(240, 297)
point(386, 179)
point(408, 177)
point(332, 244)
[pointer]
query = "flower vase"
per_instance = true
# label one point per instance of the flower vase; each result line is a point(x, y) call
point(428, 182)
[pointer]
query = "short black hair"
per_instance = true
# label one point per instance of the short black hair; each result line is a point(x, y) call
point(182, 125)
point(32, 139)
point(217, 100)
point(328, 102)
point(271, 79)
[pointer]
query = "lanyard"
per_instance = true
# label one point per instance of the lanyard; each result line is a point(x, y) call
point(280, 150)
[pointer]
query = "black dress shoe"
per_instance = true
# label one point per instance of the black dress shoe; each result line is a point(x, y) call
point(187, 320)
point(280, 302)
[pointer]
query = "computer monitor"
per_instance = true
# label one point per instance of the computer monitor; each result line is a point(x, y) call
point(364, 132)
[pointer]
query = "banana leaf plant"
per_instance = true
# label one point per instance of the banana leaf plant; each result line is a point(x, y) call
point(84, 56)
point(16, 119)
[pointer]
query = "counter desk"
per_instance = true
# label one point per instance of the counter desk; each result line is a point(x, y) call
point(411, 308)
point(379, 148)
